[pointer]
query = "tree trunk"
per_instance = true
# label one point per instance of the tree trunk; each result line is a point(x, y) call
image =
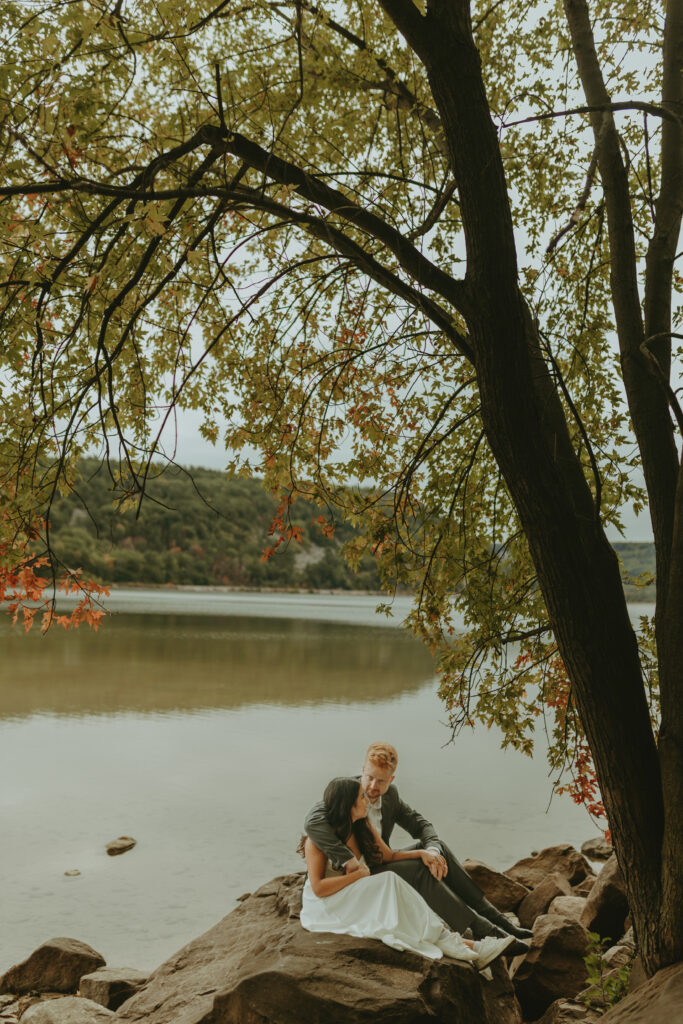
point(577, 569)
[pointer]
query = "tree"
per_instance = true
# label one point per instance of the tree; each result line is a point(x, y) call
point(392, 242)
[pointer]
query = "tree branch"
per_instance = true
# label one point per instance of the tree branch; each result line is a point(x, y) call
point(311, 188)
point(595, 108)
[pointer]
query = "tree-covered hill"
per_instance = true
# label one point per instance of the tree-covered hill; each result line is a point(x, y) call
point(197, 527)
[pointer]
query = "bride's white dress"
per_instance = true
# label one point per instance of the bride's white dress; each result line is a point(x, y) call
point(385, 907)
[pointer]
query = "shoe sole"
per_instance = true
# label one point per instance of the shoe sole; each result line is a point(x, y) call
point(493, 955)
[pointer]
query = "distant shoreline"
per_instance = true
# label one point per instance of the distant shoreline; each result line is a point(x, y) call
point(216, 588)
point(633, 596)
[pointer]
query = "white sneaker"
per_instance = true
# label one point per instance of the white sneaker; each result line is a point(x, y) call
point(489, 948)
point(453, 945)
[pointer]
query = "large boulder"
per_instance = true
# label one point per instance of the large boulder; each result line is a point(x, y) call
point(111, 986)
point(258, 964)
point(553, 968)
point(569, 1011)
point(67, 1010)
point(56, 966)
point(658, 1001)
point(540, 898)
point(563, 860)
point(503, 892)
point(606, 906)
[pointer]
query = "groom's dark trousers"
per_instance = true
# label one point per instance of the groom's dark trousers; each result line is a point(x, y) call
point(455, 898)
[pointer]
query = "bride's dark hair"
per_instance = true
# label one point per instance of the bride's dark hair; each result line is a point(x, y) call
point(339, 798)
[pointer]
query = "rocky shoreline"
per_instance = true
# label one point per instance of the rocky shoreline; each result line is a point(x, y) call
point(258, 966)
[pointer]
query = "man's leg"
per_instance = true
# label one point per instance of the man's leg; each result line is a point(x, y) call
point(443, 901)
point(460, 883)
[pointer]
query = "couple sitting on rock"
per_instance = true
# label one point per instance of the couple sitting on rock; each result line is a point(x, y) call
point(419, 898)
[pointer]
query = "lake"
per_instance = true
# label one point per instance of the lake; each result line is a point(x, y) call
point(205, 725)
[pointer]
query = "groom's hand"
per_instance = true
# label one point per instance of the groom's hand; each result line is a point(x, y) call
point(351, 865)
point(436, 864)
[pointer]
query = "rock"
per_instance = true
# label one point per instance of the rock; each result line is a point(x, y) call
point(563, 860)
point(13, 1007)
point(553, 968)
point(606, 907)
point(67, 1010)
point(569, 1011)
point(503, 892)
point(597, 849)
point(637, 977)
point(583, 888)
point(540, 898)
point(111, 986)
point(657, 1001)
point(568, 906)
point(620, 954)
point(56, 966)
point(120, 845)
point(258, 965)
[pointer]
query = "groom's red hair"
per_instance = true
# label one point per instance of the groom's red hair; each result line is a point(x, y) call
point(384, 754)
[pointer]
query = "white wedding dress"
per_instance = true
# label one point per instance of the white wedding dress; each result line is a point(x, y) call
point(385, 907)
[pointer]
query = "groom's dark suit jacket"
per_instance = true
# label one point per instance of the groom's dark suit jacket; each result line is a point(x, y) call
point(394, 812)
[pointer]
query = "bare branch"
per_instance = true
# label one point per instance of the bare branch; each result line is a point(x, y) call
point(596, 108)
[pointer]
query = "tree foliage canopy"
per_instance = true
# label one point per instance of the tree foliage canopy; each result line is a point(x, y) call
point(393, 243)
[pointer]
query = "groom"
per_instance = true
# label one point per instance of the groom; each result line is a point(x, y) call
point(442, 881)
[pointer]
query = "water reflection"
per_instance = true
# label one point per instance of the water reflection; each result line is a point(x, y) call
point(183, 662)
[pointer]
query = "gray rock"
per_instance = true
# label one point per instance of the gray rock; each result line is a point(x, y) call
point(597, 849)
point(657, 1001)
point(563, 860)
point(540, 898)
point(67, 1010)
point(258, 965)
point(111, 986)
point(569, 1011)
point(56, 966)
point(568, 906)
point(120, 845)
point(606, 907)
point(503, 892)
point(553, 968)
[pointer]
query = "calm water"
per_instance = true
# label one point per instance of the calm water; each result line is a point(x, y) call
point(205, 729)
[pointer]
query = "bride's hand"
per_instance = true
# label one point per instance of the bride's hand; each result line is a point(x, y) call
point(363, 871)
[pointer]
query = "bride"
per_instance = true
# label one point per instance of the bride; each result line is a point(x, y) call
point(381, 906)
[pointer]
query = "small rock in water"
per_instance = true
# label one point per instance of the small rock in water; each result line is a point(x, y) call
point(72, 873)
point(120, 845)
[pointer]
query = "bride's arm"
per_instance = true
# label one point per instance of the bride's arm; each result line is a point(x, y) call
point(316, 862)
